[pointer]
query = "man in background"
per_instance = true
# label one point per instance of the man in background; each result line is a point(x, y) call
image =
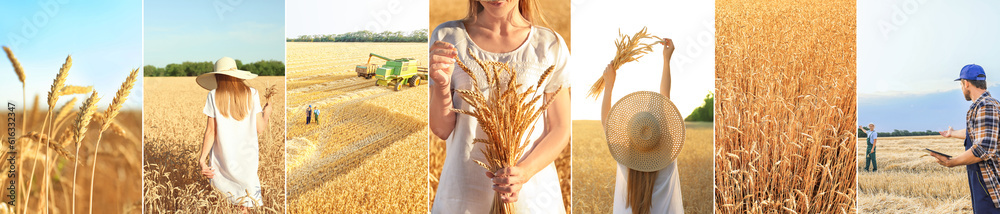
point(872, 139)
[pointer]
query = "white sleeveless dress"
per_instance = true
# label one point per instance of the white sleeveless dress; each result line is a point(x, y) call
point(464, 187)
point(235, 154)
point(666, 191)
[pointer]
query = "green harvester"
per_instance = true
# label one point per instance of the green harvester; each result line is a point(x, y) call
point(395, 72)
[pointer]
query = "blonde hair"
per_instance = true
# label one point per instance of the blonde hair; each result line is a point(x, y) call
point(529, 10)
point(232, 97)
point(640, 190)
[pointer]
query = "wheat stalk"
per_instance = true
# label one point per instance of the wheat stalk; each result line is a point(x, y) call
point(110, 113)
point(54, 94)
point(80, 131)
point(504, 116)
point(629, 49)
point(20, 77)
point(17, 65)
point(75, 89)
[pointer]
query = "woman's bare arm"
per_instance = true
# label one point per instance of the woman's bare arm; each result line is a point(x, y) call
point(263, 118)
point(206, 146)
point(442, 65)
point(609, 84)
point(668, 51)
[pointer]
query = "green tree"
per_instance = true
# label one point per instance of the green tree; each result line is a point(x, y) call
point(705, 112)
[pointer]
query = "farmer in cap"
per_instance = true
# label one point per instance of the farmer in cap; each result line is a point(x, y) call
point(870, 152)
point(309, 114)
point(981, 154)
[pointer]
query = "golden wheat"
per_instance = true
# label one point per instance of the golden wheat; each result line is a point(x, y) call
point(110, 113)
point(786, 109)
point(54, 192)
point(506, 117)
point(630, 49)
point(82, 122)
point(74, 89)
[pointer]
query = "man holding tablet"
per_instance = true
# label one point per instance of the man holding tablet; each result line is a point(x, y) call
point(981, 154)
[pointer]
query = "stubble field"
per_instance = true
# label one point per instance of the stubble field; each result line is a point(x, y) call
point(909, 181)
point(368, 151)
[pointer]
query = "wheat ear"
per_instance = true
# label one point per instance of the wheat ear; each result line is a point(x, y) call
point(80, 131)
point(110, 113)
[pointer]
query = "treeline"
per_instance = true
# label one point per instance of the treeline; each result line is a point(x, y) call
point(705, 112)
point(262, 68)
point(899, 133)
point(365, 36)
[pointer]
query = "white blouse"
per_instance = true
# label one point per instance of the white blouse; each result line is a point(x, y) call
point(666, 191)
point(464, 187)
point(235, 154)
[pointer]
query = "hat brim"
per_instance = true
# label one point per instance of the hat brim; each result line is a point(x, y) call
point(671, 127)
point(207, 80)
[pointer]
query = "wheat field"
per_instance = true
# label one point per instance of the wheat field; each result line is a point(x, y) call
point(786, 106)
point(368, 152)
point(57, 143)
point(594, 168)
point(174, 132)
point(910, 181)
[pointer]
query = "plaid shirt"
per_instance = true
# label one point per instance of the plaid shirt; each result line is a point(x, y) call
point(983, 126)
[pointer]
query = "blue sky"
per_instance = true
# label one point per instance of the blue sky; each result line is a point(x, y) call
point(104, 38)
point(909, 53)
point(311, 17)
point(691, 24)
point(191, 30)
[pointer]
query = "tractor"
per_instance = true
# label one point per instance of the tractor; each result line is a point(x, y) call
point(395, 72)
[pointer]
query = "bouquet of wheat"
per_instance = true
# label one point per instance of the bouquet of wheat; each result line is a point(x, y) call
point(504, 116)
point(630, 49)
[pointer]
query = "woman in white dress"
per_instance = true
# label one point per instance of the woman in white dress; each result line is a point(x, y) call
point(666, 191)
point(229, 155)
point(502, 31)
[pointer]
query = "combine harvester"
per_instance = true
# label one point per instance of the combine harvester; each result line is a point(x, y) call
point(395, 72)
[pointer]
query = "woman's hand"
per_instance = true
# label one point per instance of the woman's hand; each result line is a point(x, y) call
point(442, 63)
point(207, 171)
point(668, 49)
point(609, 75)
point(508, 181)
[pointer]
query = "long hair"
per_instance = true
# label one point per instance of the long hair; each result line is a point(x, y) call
point(640, 190)
point(232, 97)
point(529, 9)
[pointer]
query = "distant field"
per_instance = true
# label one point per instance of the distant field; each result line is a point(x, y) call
point(908, 181)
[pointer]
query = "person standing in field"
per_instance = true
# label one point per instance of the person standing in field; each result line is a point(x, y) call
point(665, 194)
point(981, 154)
point(229, 154)
point(309, 114)
point(508, 32)
point(316, 115)
point(872, 139)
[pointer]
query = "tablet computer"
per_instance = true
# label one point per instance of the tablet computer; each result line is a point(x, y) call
point(936, 152)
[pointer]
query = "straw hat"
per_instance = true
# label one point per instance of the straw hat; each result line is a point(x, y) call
point(225, 66)
point(645, 131)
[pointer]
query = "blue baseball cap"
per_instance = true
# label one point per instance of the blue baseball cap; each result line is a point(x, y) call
point(972, 72)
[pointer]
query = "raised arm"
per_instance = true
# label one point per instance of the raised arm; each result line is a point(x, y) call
point(668, 51)
point(206, 147)
point(442, 65)
point(609, 84)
